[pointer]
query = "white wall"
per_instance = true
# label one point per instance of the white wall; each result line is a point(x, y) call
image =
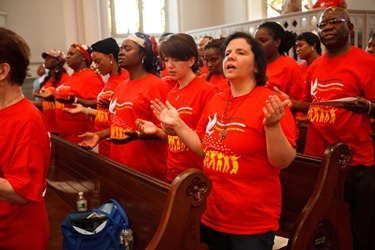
point(361, 4)
point(47, 24)
point(233, 11)
point(196, 14)
point(39, 22)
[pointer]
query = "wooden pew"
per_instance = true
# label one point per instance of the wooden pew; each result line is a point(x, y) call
point(162, 216)
point(314, 214)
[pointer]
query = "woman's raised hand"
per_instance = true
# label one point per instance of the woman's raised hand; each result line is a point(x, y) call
point(166, 114)
point(274, 110)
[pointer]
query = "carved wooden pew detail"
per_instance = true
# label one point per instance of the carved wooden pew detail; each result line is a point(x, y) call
point(314, 214)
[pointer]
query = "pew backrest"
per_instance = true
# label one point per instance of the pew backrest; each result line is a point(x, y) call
point(162, 216)
point(314, 214)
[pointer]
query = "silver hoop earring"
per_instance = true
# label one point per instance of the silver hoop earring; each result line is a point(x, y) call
point(143, 60)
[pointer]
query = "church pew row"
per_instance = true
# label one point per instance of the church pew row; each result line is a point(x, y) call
point(164, 216)
point(314, 214)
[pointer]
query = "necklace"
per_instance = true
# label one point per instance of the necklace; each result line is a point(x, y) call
point(179, 93)
point(223, 132)
point(11, 100)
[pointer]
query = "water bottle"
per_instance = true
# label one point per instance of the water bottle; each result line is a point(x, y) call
point(81, 202)
point(127, 240)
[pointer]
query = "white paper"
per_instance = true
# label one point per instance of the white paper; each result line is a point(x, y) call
point(337, 102)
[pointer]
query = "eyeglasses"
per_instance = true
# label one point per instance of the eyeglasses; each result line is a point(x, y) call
point(332, 21)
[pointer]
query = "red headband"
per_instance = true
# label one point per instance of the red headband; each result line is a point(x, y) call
point(83, 51)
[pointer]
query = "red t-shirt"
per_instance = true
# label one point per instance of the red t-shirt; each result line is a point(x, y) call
point(48, 107)
point(328, 3)
point(246, 191)
point(189, 102)
point(204, 71)
point(170, 82)
point(86, 85)
point(220, 82)
point(102, 115)
point(24, 161)
point(131, 100)
point(285, 74)
point(349, 75)
point(303, 67)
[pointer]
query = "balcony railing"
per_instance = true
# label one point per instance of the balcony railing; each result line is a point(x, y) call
point(298, 22)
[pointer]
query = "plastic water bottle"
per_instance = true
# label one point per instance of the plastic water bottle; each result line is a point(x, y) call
point(127, 239)
point(81, 202)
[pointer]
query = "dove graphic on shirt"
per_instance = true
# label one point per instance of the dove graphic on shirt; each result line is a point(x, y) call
point(112, 106)
point(313, 87)
point(211, 124)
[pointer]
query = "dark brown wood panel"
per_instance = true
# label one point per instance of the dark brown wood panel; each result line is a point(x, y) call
point(162, 215)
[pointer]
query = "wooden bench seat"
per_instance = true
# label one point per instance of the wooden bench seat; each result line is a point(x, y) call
point(162, 216)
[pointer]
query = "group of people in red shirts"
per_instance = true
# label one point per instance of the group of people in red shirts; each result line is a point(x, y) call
point(235, 121)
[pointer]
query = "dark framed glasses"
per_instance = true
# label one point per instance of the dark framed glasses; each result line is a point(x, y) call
point(332, 21)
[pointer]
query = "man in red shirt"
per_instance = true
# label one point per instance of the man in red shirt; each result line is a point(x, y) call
point(351, 73)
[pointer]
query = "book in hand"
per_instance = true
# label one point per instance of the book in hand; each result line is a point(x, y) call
point(337, 102)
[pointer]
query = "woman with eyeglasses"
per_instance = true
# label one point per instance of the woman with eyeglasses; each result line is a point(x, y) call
point(83, 86)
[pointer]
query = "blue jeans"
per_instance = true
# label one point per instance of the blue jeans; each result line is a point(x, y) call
point(222, 241)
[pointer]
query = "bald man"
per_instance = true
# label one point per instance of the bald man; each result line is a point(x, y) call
point(345, 71)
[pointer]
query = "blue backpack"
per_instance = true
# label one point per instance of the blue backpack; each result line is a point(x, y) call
point(98, 228)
